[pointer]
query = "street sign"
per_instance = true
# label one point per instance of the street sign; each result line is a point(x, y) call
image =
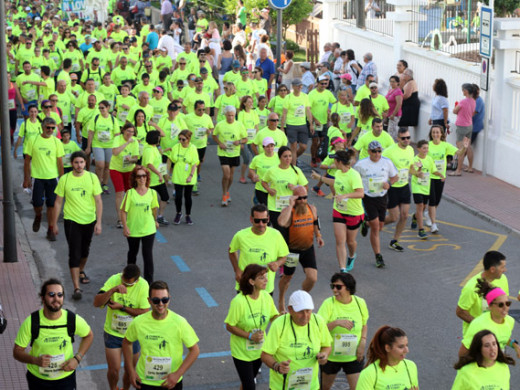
point(279, 4)
point(486, 31)
point(484, 74)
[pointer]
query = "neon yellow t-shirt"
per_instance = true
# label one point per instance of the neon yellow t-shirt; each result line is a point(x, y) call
point(79, 193)
point(68, 149)
point(162, 344)
point(261, 164)
point(319, 102)
point(231, 77)
point(160, 108)
point(469, 300)
point(296, 109)
point(54, 342)
point(140, 219)
point(110, 92)
point(299, 344)
point(192, 97)
point(276, 105)
point(344, 341)
point(259, 249)
point(85, 115)
point(148, 113)
point(363, 92)
point(279, 137)
point(171, 130)
point(345, 112)
point(279, 180)
point(401, 377)
point(223, 101)
point(422, 186)
point(199, 125)
point(228, 133)
point(122, 113)
point(346, 183)
point(245, 88)
point(473, 377)
point(184, 159)
point(262, 117)
point(44, 153)
point(105, 130)
point(402, 159)
point(152, 155)
point(364, 127)
point(122, 162)
point(362, 143)
point(439, 154)
point(29, 130)
point(136, 297)
point(249, 315)
point(251, 122)
point(502, 331)
point(380, 104)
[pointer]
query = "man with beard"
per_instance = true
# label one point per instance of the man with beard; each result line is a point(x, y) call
point(51, 362)
point(301, 220)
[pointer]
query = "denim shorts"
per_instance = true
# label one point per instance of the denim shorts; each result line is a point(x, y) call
point(113, 342)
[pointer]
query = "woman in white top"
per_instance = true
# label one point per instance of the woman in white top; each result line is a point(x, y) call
point(287, 69)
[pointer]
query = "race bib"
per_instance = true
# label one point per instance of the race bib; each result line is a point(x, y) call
point(66, 159)
point(251, 345)
point(156, 118)
point(292, 260)
point(263, 121)
point(251, 134)
point(156, 368)
point(103, 136)
point(54, 369)
point(299, 112)
point(120, 323)
point(174, 131)
point(439, 165)
point(318, 127)
point(342, 205)
point(31, 94)
point(375, 184)
point(127, 161)
point(10, 104)
point(282, 201)
point(75, 67)
point(425, 180)
point(163, 169)
point(230, 147)
point(200, 132)
point(65, 120)
point(38, 71)
point(344, 117)
point(123, 115)
point(403, 176)
point(301, 379)
point(345, 344)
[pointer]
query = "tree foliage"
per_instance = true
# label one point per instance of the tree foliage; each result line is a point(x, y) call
point(294, 14)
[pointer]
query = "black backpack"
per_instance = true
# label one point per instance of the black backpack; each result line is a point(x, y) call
point(35, 325)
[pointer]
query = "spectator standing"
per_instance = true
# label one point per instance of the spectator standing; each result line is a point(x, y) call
point(369, 69)
point(166, 13)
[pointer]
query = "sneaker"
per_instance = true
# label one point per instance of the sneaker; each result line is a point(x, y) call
point(380, 263)
point(50, 235)
point(119, 224)
point(242, 180)
point(77, 294)
point(173, 193)
point(177, 219)
point(162, 221)
point(105, 189)
point(188, 220)
point(350, 262)
point(434, 229)
point(199, 179)
point(36, 223)
point(364, 228)
point(228, 197)
point(313, 164)
point(343, 270)
point(394, 244)
point(195, 193)
point(422, 234)
point(426, 218)
point(317, 190)
point(414, 222)
point(224, 201)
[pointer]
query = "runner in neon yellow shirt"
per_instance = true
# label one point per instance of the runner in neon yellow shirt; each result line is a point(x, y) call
point(365, 114)
point(249, 118)
point(82, 215)
point(296, 345)
point(198, 94)
point(258, 244)
point(69, 147)
point(51, 359)
point(30, 127)
point(279, 137)
point(376, 134)
point(123, 103)
point(379, 101)
point(250, 312)
point(172, 124)
point(277, 103)
point(125, 295)
point(260, 165)
point(109, 91)
point(162, 335)
point(262, 111)
point(229, 98)
point(386, 366)
point(159, 103)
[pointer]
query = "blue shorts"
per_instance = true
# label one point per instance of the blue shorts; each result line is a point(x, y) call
point(114, 342)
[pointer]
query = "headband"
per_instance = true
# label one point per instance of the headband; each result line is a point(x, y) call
point(493, 294)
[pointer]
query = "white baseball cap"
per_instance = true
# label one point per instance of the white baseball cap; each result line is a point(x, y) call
point(301, 300)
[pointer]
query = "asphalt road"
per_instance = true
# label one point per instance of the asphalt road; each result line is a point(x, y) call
point(417, 291)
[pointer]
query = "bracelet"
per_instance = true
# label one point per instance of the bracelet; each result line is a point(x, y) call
point(513, 341)
point(276, 367)
point(250, 335)
point(77, 360)
point(80, 354)
point(123, 309)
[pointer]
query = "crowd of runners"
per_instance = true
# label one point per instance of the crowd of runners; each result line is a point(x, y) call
point(122, 105)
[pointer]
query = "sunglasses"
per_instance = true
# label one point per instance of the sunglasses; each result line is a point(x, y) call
point(51, 127)
point(376, 151)
point(373, 87)
point(54, 100)
point(405, 137)
point(182, 63)
point(323, 83)
point(502, 304)
point(156, 300)
point(302, 197)
point(336, 286)
point(183, 139)
point(47, 106)
point(140, 176)
point(274, 120)
point(53, 294)
point(263, 220)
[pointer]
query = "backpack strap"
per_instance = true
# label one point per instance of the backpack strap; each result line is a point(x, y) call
point(35, 325)
point(71, 323)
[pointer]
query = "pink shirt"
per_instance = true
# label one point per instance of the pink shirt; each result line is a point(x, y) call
point(465, 114)
point(390, 97)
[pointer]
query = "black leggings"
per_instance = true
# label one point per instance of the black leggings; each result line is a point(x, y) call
point(79, 238)
point(247, 372)
point(261, 197)
point(133, 250)
point(179, 190)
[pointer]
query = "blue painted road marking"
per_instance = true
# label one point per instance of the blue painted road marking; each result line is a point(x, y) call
point(206, 297)
point(160, 238)
point(183, 267)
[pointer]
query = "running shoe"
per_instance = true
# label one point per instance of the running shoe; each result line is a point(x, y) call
point(414, 222)
point(177, 219)
point(422, 234)
point(380, 263)
point(317, 190)
point(427, 219)
point(188, 220)
point(343, 270)
point(162, 221)
point(105, 189)
point(434, 229)
point(242, 180)
point(350, 262)
point(36, 223)
point(195, 193)
point(394, 244)
point(119, 224)
point(50, 235)
point(228, 197)
point(224, 201)
point(364, 228)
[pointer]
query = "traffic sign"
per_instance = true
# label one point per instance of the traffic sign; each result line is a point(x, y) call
point(279, 4)
point(486, 31)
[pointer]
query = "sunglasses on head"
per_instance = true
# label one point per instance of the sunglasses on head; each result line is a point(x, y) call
point(336, 286)
point(156, 300)
point(263, 220)
point(53, 294)
point(502, 304)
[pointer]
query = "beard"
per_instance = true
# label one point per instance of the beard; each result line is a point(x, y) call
point(301, 208)
point(52, 308)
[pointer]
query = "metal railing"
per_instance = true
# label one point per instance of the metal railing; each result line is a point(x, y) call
point(375, 15)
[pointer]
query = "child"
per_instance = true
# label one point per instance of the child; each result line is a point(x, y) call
point(262, 112)
point(69, 148)
point(336, 143)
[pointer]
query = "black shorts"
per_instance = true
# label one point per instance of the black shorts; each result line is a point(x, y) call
point(436, 188)
point(420, 199)
point(307, 260)
point(375, 207)
point(332, 368)
point(43, 190)
point(162, 190)
point(398, 195)
point(231, 161)
point(84, 143)
point(202, 153)
point(35, 383)
point(319, 134)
